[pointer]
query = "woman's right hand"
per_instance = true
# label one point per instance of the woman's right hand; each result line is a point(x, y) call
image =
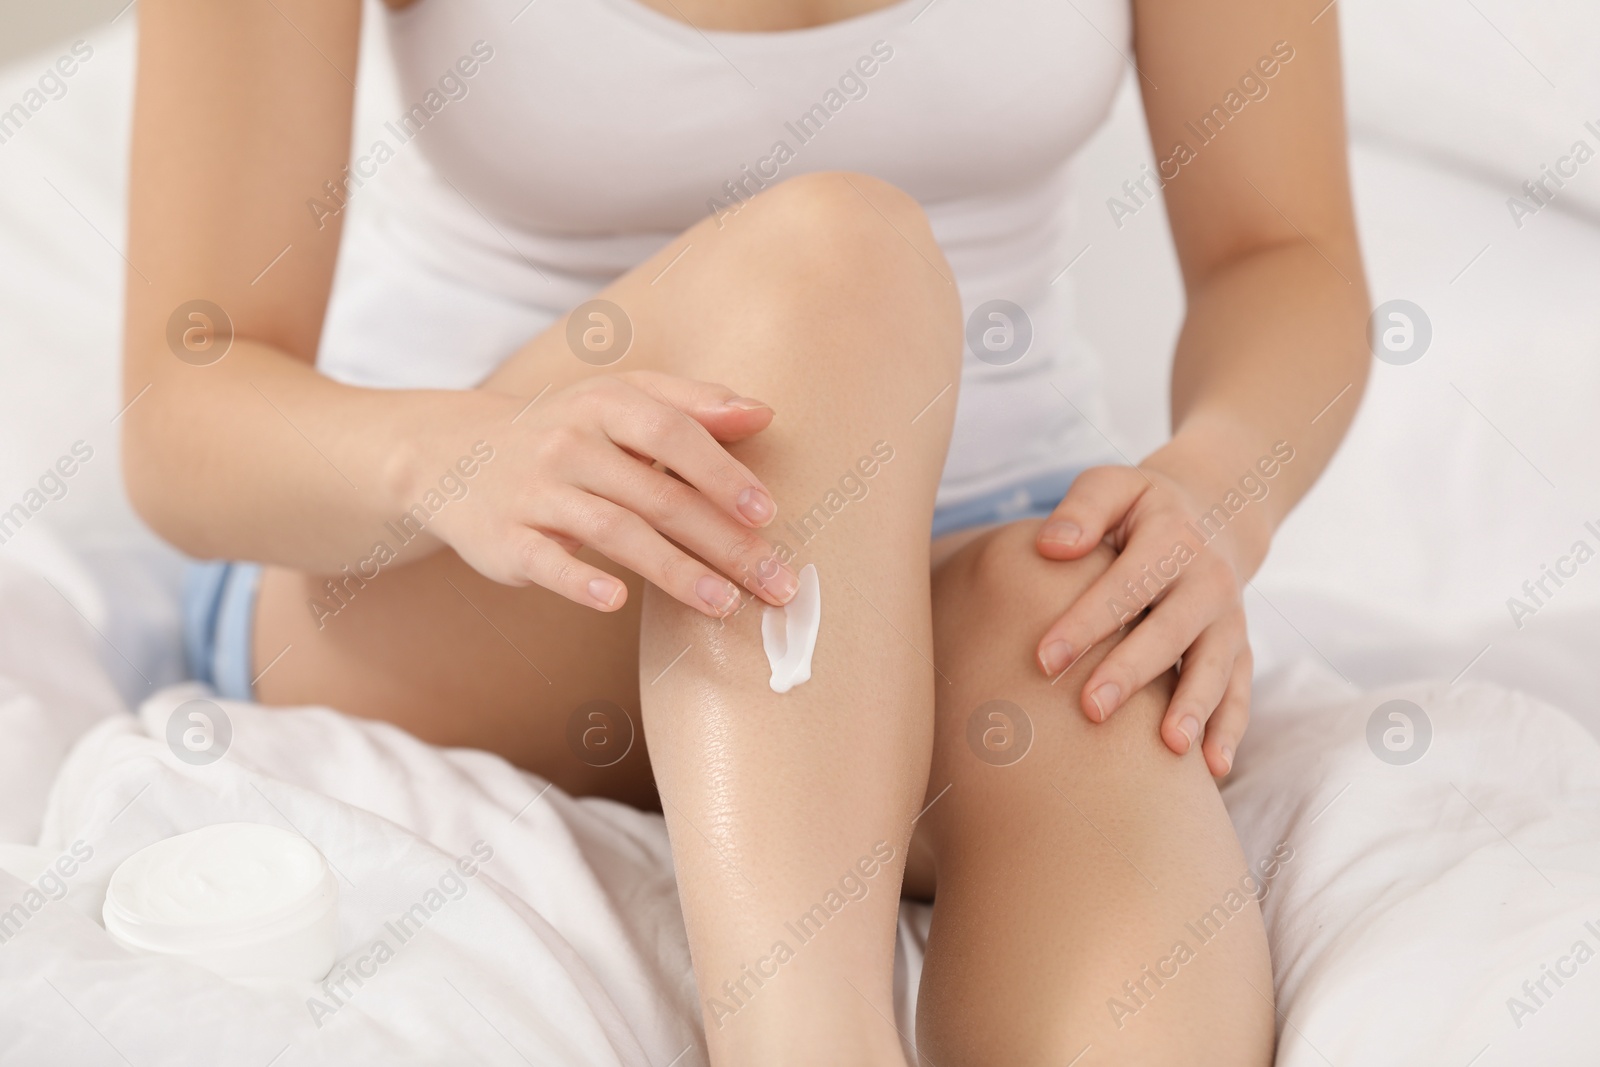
point(578, 467)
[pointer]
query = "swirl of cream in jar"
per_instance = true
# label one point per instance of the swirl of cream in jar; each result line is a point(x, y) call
point(242, 899)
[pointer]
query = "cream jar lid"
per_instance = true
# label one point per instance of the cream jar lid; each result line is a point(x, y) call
point(223, 887)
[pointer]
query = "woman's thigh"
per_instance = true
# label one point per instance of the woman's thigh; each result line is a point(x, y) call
point(1071, 858)
point(750, 302)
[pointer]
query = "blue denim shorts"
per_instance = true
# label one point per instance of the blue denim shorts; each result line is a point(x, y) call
point(219, 614)
point(1031, 499)
point(219, 597)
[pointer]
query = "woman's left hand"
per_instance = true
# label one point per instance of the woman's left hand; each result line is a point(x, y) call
point(1189, 578)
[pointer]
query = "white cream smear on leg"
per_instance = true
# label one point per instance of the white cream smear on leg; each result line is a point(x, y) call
point(789, 633)
point(243, 900)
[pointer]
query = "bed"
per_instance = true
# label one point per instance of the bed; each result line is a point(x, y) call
point(1425, 896)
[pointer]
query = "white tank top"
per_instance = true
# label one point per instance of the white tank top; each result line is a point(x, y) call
point(549, 150)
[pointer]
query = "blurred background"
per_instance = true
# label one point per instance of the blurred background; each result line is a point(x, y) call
point(33, 24)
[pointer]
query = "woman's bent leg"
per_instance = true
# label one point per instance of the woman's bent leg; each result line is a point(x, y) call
point(789, 814)
point(457, 659)
point(1091, 891)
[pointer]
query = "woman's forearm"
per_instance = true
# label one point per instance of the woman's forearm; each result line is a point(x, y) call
point(258, 456)
point(1272, 353)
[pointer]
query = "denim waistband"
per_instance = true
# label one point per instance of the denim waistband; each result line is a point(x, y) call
point(1031, 499)
point(219, 607)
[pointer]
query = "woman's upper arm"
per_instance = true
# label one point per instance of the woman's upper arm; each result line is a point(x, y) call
point(1246, 117)
point(242, 111)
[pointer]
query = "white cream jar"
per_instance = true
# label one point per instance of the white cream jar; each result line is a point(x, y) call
point(244, 900)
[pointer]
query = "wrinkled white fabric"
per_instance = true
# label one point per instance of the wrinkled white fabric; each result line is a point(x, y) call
point(1403, 906)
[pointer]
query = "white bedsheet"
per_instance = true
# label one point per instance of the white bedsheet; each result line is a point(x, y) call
point(567, 947)
point(1417, 900)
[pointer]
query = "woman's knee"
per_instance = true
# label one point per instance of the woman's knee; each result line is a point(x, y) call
point(839, 215)
point(838, 248)
point(998, 584)
point(992, 602)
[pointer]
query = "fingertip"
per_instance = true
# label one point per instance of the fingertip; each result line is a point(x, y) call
point(1189, 729)
point(1091, 710)
point(726, 422)
point(1104, 699)
point(1054, 656)
point(607, 594)
point(1061, 538)
point(1219, 759)
point(742, 411)
point(1056, 550)
point(756, 506)
point(718, 596)
point(1179, 732)
point(777, 588)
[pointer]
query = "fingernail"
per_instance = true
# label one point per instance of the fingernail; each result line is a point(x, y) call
point(1227, 758)
point(745, 403)
point(605, 590)
point(1055, 657)
point(1189, 726)
point(1065, 534)
point(782, 585)
point(1105, 699)
point(756, 506)
point(718, 593)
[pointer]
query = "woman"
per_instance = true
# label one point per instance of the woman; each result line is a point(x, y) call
point(784, 222)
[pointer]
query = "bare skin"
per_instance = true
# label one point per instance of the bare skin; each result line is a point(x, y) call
point(1069, 872)
point(495, 628)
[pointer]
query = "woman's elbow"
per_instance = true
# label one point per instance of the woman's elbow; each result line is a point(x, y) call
point(156, 486)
